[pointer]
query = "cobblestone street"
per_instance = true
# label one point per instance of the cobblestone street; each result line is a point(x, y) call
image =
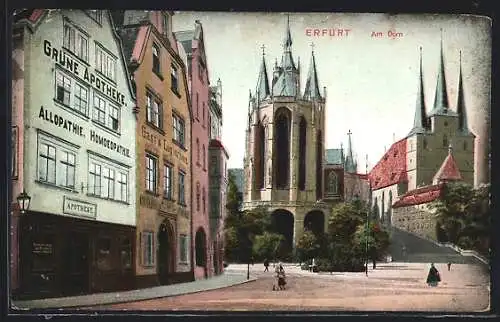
point(391, 287)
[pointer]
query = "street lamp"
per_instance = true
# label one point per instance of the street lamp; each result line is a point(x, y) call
point(367, 235)
point(23, 200)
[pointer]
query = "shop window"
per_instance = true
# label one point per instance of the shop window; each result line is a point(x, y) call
point(103, 254)
point(148, 248)
point(167, 181)
point(151, 172)
point(42, 250)
point(126, 253)
point(183, 244)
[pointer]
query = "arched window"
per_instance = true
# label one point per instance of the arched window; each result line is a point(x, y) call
point(445, 141)
point(282, 148)
point(319, 159)
point(332, 183)
point(198, 196)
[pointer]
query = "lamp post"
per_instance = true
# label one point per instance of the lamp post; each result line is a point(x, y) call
point(23, 200)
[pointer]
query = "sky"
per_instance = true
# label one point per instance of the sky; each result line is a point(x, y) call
point(371, 81)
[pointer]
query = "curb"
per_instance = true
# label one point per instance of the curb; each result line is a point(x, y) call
point(117, 300)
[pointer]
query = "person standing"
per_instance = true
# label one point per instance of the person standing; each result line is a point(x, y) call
point(266, 265)
point(433, 278)
point(449, 266)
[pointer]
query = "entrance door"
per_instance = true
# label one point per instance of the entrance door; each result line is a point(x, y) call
point(164, 254)
point(77, 259)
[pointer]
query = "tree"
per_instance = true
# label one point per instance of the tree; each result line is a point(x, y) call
point(266, 245)
point(463, 216)
point(308, 246)
point(377, 238)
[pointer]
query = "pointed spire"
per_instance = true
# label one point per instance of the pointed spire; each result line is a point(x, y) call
point(287, 42)
point(420, 120)
point(461, 111)
point(262, 90)
point(350, 165)
point(312, 87)
point(441, 97)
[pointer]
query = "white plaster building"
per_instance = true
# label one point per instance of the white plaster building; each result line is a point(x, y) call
point(79, 153)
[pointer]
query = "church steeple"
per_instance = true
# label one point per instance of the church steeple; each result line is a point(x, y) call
point(461, 111)
point(262, 90)
point(285, 81)
point(350, 165)
point(441, 97)
point(420, 120)
point(311, 91)
point(287, 42)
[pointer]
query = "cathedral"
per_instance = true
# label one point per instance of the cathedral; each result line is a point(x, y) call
point(285, 162)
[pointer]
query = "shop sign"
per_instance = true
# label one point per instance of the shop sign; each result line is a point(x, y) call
point(79, 208)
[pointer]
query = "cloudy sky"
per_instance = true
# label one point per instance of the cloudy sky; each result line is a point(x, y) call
point(371, 81)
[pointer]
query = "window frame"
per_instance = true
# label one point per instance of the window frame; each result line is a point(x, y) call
point(168, 181)
point(174, 78)
point(104, 116)
point(184, 248)
point(148, 248)
point(114, 186)
point(72, 41)
point(153, 100)
point(179, 129)
point(151, 173)
point(181, 187)
point(103, 59)
point(156, 59)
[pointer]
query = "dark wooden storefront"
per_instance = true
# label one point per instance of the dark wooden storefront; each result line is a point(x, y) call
point(62, 256)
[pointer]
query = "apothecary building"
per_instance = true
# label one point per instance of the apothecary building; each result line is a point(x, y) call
point(73, 106)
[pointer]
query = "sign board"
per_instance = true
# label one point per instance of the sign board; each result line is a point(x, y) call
point(79, 208)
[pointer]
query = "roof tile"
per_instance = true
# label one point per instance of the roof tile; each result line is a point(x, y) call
point(391, 169)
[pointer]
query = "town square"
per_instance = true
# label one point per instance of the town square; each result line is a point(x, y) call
point(176, 161)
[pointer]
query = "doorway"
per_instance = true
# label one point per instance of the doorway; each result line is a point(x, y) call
point(77, 260)
point(165, 253)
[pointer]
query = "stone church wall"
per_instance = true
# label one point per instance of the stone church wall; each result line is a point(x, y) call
point(417, 219)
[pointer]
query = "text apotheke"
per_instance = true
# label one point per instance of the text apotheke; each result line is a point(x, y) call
point(72, 65)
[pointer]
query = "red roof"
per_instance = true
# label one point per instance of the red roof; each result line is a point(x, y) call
point(449, 170)
point(419, 196)
point(391, 169)
point(35, 15)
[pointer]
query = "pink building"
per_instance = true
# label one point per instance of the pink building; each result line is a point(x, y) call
point(193, 43)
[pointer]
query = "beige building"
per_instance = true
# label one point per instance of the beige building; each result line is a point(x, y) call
point(285, 147)
point(158, 66)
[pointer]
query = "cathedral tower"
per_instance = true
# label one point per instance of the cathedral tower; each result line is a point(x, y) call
point(285, 146)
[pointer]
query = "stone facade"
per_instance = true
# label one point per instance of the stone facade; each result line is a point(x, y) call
point(163, 149)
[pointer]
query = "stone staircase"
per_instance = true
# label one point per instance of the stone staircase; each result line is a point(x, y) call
point(420, 250)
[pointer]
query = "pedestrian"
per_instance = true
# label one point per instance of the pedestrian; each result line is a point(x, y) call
point(433, 278)
point(374, 263)
point(449, 266)
point(266, 265)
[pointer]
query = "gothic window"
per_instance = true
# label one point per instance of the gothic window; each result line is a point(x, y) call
point(282, 148)
point(332, 183)
point(260, 156)
point(302, 153)
point(445, 141)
